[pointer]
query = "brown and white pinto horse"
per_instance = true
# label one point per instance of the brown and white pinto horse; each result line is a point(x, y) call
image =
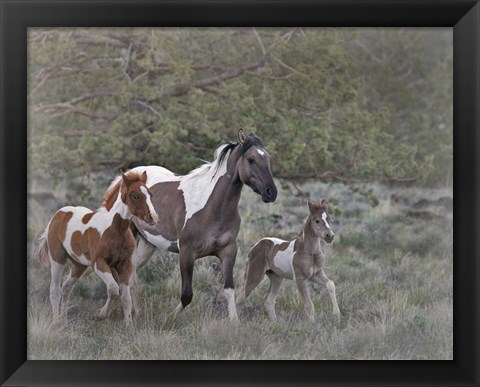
point(101, 239)
point(301, 260)
point(199, 214)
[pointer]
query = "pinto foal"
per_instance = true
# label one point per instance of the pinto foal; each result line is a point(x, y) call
point(101, 239)
point(301, 260)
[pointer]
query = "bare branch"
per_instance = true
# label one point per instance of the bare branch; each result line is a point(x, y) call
point(183, 88)
point(70, 109)
point(289, 35)
point(67, 107)
point(152, 109)
point(127, 61)
point(287, 66)
point(259, 41)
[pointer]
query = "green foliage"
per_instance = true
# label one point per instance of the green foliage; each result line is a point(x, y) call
point(362, 105)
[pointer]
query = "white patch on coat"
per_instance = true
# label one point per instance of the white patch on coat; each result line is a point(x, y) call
point(283, 260)
point(229, 295)
point(276, 241)
point(197, 186)
point(261, 152)
point(82, 259)
point(324, 218)
point(158, 240)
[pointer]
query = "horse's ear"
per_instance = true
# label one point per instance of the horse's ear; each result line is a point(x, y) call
point(126, 179)
point(311, 205)
point(241, 136)
point(144, 177)
point(324, 203)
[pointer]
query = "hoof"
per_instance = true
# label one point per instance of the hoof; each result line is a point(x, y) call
point(178, 309)
point(129, 323)
point(336, 316)
point(100, 315)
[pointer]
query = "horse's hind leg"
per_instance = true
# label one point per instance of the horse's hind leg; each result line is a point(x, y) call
point(67, 287)
point(275, 282)
point(254, 272)
point(103, 271)
point(56, 271)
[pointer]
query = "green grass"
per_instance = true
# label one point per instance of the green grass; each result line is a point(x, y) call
point(392, 268)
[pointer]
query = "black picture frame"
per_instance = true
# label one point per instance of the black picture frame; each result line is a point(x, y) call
point(18, 15)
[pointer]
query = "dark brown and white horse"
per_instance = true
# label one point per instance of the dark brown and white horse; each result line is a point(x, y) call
point(101, 239)
point(199, 214)
point(301, 260)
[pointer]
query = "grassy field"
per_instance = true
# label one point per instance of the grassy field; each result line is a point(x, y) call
point(392, 266)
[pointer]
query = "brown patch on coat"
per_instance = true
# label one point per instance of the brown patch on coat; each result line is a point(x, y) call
point(57, 232)
point(168, 200)
point(280, 247)
point(82, 244)
point(115, 248)
point(86, 218)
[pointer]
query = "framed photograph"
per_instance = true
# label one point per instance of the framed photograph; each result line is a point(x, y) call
point(353, 126)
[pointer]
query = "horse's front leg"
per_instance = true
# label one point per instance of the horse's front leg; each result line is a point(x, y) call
point(187, 261)
point(302, 284)
point(101, 268)
point(227, 257)
point(322, 279)
point(124, 276)
point(142, 253)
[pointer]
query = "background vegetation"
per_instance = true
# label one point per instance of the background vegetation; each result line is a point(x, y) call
point(361, 116)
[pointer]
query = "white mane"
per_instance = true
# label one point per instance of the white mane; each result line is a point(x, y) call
point(209, 166)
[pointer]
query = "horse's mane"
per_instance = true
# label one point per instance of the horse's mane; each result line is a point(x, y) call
point(114, 188)
point(221, 155)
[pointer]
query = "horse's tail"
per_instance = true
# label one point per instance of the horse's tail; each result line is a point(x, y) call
point(41, 252)
point(254, 270)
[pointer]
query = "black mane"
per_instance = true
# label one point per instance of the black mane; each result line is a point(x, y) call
point(250, 141)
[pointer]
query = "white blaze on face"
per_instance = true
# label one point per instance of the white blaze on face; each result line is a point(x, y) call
point(324, 218)
point(148, 199)
point(261, 152)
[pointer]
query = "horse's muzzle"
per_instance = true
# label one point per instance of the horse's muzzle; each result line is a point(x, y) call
point(152, 219)
point(329, 237)
point(269, 194)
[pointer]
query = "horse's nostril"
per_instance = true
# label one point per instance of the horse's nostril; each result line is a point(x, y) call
point(268, 191)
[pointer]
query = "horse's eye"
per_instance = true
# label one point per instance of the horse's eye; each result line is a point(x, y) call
point(135, 197)
point(251, 161)
point(317, 221)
